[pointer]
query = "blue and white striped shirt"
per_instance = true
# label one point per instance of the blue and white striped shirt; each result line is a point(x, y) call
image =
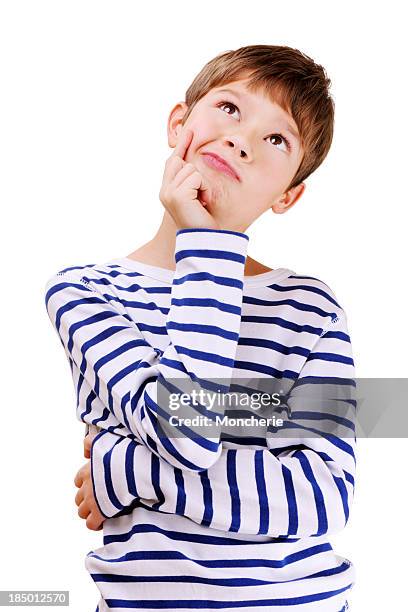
point(244, 522)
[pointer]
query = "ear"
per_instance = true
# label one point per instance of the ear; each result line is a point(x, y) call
point(174, 123)
point(288, 199)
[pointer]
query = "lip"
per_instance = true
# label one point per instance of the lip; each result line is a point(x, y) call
point(219, 163)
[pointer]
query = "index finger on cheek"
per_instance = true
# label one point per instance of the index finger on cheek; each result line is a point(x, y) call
point(183, 143)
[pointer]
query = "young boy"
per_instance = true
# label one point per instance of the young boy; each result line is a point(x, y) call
point(196, 518)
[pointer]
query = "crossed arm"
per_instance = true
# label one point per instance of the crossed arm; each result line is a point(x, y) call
point(303, 488)
point(297, 487)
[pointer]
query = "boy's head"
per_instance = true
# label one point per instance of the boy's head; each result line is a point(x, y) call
point(274, 127)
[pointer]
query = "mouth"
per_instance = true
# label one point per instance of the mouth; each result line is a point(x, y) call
point(219, 163)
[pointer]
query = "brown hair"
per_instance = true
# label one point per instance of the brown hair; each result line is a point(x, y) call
point(288, 77)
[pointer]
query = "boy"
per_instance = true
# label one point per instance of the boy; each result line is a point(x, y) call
point(199, 519)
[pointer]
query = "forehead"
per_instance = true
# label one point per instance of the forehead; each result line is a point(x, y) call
point(247, 97)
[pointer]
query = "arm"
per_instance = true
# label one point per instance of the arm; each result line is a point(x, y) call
point(303, 488)
point(123, 370)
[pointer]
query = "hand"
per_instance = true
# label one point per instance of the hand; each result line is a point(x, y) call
point(85, 500)
point(181, 184)
point(87, 445)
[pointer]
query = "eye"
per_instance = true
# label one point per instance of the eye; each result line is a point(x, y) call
point(281, 136)
point(225, 103)
point(283, 139)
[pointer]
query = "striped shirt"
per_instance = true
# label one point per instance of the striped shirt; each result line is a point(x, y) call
point(217, 521)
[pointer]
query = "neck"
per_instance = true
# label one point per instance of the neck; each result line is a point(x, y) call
point(159, 251)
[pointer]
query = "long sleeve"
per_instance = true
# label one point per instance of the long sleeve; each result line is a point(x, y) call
point(300, 485)
point(131, 377)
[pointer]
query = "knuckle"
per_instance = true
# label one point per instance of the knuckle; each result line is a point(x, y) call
point(91, 523)
point(172, 160)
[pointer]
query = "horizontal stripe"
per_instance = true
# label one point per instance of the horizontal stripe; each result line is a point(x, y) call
point(199, 604)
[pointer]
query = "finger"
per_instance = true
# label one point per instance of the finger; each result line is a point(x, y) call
point(92, 523)
point(79, 497)
point(204, 185)
point(196, 181)
point(78, 479)
point(83, 510)
point(183, 143)
point(172, 166)
point(183, 174)
point(186, 172)
point(87, 448)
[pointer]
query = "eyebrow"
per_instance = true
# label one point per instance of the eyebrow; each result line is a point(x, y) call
point(286, 125)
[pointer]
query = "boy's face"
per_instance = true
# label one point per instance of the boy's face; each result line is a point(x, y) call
point(248, 131)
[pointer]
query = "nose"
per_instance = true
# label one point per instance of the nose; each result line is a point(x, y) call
point(237, 143)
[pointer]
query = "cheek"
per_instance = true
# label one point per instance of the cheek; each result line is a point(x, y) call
point(276, 173)
point(261, 190)
point(204, 126)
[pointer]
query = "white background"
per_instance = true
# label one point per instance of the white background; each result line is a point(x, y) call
point(86, 88)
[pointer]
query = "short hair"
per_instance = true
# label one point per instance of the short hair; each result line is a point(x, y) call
point(288, 77)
